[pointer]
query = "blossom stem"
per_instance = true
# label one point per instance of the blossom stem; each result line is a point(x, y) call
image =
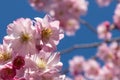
point(90, 45)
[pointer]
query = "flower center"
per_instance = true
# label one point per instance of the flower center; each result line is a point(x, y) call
point(46, 33)
point(25, 37)
point(5, 56)
point(18, 62)
point(41, 64)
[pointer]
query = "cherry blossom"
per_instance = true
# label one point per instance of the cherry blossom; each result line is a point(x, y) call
point(104, 31)
point(76, 65)
point(91, 69)
point(105, 53)
point(28, 49)
point(66, 11)
point(103, 3)
point(41, 68)
point(21, 36)
point(48, 33)
point(5, 53)
point(116, 16)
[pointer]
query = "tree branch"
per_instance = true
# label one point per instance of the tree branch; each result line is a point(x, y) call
point(90, 45)
point(88, 25)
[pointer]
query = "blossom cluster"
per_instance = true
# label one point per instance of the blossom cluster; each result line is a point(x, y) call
point(28, 49)
point(91, 69)
point(104, 29)
point(66, 11)
point(27, 52)
point(105, 65)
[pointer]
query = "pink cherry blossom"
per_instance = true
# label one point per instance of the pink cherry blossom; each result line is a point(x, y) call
point(116, 16)
point(41, 68)
point(66, 11)
point(48, 33)
point(71, 25)
point(5, 53)
point(104, 31)
point(21, 36)
point(106, 74)
point(103, 3)
point(76, 65)
point(105, 53)
point(91, 68)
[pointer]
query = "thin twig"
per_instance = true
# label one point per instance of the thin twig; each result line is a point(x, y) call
point(90, 45)
point(88, 25)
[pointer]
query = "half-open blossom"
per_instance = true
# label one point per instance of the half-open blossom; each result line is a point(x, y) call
point(104, 31)
point(21, 36)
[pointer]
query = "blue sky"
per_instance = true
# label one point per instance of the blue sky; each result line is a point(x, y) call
point(12, 9)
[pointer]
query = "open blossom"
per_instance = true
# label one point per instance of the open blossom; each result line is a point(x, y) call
point(5, 53)
point(43, 68)
point(104, 31)
point(91, 68)
point(106, 74)
point(20, 36)
point(116, 16)
point(71, 25)
point(48, 33)
point(103, 3)
point(105, 53)
point(76, 65)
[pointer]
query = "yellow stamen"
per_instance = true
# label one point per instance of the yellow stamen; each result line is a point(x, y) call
point(25, 37)
point(5, 56)
point(46, 33)
point(41, 64)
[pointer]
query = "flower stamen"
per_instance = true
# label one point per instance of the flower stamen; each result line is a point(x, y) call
point(46, 33)
point(25, 37)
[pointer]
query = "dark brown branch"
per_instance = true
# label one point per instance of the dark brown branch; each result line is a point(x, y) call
point(90, 45)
